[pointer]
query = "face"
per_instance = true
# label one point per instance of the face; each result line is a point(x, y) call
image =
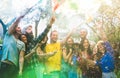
point(101, 47)
point(54, 36)
point(86, 44)
point(24, 38)
point(83, 33)
point(29, 29)
point(70, 41)
point(18, 30)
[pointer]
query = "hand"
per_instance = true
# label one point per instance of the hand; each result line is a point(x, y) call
point(90, 62)
point(52, 20)
point(52, 53)
point(55, 52)
point(20, 73)
point(33, 51)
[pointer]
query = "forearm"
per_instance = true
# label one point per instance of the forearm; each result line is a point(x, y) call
point(29, 55)
point(33, 51)
point(48, 55)
point(68, 56)
point(43, 56)
point(70, 59)
point(4, 26)
point(14, 25)
point(44, 33)
point(21, 62)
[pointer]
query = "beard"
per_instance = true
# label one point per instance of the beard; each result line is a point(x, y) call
point(53, 41)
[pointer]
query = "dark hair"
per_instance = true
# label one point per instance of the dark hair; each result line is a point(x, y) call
point(68, 47)
point(89, 51)
point(20, 37)
point(26, 44)
point(30, 37)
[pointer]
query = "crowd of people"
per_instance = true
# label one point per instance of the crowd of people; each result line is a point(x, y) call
point(24, 56)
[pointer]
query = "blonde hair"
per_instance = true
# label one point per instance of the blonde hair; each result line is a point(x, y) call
point(100, 42)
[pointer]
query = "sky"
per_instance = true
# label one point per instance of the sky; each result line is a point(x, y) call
point(14, 8)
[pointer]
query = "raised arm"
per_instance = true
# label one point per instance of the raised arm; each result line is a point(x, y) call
point(14, 25)
point(33, 51)
point(10, 22)
point(44, 33)
point(4, 26)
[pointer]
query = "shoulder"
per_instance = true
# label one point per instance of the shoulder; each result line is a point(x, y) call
point(7, 33)
point(20, 42)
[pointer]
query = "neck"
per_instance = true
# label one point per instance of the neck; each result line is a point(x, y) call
point(52, 41)
point(103, 51)
point(85, 50)
point(83, 38)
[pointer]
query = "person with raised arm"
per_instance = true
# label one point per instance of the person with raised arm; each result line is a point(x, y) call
point(106, 61)
point(31, 56)
point(13, 52)
point(53, 64)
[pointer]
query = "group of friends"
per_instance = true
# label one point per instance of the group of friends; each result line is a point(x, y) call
point(28, 57)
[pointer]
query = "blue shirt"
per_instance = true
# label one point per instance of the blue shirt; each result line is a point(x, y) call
point(106, 63)
point(11, 48)
point(74, 61)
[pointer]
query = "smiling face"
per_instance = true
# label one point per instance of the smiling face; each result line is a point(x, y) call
point(83, 33)
point(24, 38)
point(101, 46)
point(29, 29)
point(70, 42)
point(18, 30)
point(86, 44)
point(54, 36)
